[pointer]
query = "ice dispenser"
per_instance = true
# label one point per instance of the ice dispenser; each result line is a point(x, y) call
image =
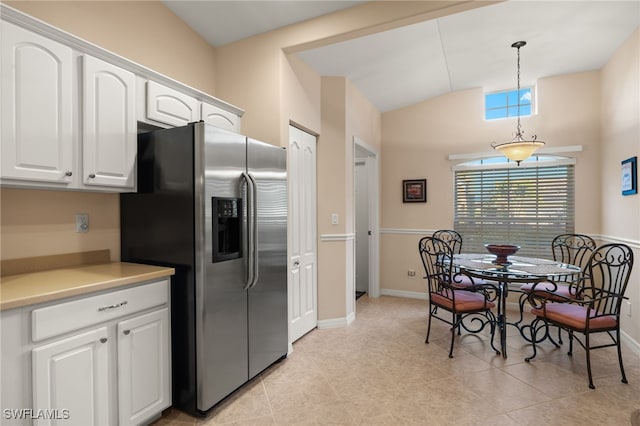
point(227, 228)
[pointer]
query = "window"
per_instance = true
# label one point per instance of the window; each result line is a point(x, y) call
point(505, 104)
point(527, 206)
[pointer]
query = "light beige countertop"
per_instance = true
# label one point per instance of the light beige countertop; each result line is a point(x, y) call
point(49, 285)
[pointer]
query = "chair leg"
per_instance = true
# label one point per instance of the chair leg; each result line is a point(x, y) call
point(534, 332)
point(459, 321)
point(454, 325)
point(624, 377)
point(428, 326)
point(588, 351)
point(570, 343)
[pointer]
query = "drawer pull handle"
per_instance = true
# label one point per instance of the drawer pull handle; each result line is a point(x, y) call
point(117, 305)
point(103, 340)
point(92, 176)
point(68, 173)
point(127, 332)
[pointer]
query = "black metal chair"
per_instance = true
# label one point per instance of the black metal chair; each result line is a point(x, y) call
point(573, 249)
point(454, 240)
point(447, 296)
point(598, 311)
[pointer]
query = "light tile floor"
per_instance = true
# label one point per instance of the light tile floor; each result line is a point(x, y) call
point(378, 370)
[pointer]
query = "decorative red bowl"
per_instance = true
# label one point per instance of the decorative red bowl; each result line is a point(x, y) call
point(502, 252)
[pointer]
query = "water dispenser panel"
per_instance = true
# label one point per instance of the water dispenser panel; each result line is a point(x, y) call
point(226, 228)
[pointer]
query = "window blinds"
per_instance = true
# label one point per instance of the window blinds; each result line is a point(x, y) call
point(523, 206)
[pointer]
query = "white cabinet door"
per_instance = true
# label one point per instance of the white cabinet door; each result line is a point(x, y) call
point(71, 378)
point(169, 106)
point(218, 117)
point(144, 387)
point(36, 107)
point(109, 126)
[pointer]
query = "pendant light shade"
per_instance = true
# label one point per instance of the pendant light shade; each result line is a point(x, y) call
point(519, 148)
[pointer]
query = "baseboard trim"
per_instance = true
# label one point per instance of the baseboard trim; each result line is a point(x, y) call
point(403, 293)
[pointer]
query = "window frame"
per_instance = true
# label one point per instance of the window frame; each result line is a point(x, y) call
point(506, 227)
point(508, 107)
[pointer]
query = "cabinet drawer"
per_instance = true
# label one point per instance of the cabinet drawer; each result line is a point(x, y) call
point(68, 316)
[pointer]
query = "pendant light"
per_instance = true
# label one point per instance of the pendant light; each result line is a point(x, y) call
point(519, 148)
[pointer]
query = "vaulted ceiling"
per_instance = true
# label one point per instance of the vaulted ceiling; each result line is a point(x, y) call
point(403, 66)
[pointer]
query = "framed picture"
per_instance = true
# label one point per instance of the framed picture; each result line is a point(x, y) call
point(414, 191)
point(629, 175)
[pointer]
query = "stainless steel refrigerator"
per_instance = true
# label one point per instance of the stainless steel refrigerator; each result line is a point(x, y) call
point(213, 204)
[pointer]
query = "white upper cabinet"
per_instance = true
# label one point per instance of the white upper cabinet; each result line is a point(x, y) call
point(219, 117)
point(37, 113)
point(109, 138)
point(170, 106)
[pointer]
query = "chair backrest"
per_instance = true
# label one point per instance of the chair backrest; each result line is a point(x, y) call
point(437, 259)
point(451, 237)
point(574, 249)
point(609, 269)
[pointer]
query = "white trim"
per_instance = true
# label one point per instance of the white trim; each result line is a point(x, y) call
point(12, 15)
point(333, 323)
point(404, 293)
point(401, 231)
point(632, 344)
point(635, 244)
point(489, 154)
point(337, 237)
point(513, 165)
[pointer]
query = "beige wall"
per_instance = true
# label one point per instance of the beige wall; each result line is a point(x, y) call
point(417, 140)
point(621, 140)
point(38, 223)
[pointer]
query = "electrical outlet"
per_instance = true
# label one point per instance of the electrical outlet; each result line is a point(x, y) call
point(411, 273)
point(82, 222)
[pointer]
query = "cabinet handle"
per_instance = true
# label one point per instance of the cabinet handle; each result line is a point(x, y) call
point(126, 332)
point(103, 340)
point(92, 176)
point(117, 305)
point(68, 173)
point(296, 263)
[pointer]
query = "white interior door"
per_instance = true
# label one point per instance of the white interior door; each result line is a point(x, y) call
point(362, 225)
point(303, 301)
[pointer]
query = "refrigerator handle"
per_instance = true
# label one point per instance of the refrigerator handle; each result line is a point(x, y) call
point(253, 230)
point(250, 233)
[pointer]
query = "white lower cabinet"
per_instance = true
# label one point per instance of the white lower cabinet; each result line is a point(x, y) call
point(90, 360)
point(71, 380)
point(143, 367)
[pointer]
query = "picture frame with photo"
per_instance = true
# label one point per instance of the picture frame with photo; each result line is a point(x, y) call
point(629, 176)
point(414, 191)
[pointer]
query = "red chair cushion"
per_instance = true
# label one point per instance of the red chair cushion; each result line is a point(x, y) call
point(575, 316)
point(562, 290)
point(465, 301)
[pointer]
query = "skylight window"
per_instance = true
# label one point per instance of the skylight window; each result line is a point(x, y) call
point(505, 104)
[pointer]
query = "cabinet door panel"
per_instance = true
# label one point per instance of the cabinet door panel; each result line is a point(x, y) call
point(218, 117)
point(169, 106)
point(144, 386)
point(36, 107)
point(109, 136)
point(71, 377)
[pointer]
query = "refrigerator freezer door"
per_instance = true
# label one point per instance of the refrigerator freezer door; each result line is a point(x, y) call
point(221, 311)
point(268, 326)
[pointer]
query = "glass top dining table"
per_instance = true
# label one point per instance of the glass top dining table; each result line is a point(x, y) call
point(518, 270)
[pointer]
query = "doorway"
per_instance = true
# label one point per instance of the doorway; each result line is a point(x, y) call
point(366, 209)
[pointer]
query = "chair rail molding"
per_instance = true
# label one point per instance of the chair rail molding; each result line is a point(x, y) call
point(401, 231)
point(337, 237)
